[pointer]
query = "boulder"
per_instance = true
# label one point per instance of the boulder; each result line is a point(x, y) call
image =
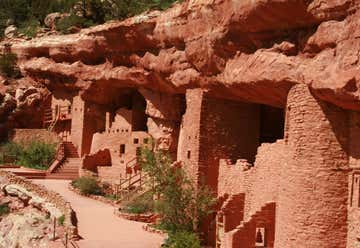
point(52, 18)
point(10, 32)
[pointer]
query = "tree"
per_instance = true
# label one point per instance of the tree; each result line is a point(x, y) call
point(181, 204)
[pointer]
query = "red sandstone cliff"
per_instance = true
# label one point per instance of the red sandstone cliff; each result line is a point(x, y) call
point(246, 50)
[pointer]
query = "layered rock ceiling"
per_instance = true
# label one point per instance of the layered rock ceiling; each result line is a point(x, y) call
point(248, 50)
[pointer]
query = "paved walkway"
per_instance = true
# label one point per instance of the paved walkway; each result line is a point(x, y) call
point(98, 226)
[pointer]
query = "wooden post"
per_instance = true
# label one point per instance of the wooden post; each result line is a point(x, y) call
point(66, 240)
point(54, 233)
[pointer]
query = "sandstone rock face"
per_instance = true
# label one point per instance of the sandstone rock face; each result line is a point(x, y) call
point(22, 108)
point(246, 50)
point(29, 222)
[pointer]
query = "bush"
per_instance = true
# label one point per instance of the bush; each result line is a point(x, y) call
point(181, 208)
point(4, 209)
point(64, 25)
point(11, 149)
point(8, 65)
point(37, 155)
point(182, 240)
point(87, 186)
point(141, 204)
point(29, 28)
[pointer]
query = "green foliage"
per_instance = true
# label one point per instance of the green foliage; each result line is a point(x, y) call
point(11, 149)
point(8, 65)
point(37, 155)
point(141, 204)
point(61, 220)
point(23, 12)
point(4, 209)
point(29, 28)
point(181, 207)
point(64, 25)
point(120, 9)
point(87, 186)
point(182, 240)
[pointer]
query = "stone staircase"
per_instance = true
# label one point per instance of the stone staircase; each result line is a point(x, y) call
point(69, 169)
point(70, 150)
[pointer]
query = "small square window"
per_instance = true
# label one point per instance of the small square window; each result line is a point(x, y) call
point(122, 149)
point(146, 140)
point(136, 141)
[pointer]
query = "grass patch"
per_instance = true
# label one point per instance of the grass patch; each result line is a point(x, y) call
point(140, 205)
point(182, 239)
point(112, 197)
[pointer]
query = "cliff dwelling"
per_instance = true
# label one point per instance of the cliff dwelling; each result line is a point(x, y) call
point(261, 109)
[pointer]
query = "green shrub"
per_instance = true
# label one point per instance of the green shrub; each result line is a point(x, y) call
point(11, 149)
point(8, 66)
point(61, 220)
point(141, 204)
point(182, 208)
point(4, 209)
point(182, 240)
point(37, 155)
point(64, 25)
point(30, 28)
point(87, 186)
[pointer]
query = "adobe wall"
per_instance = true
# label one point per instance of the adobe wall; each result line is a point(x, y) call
point(112, 142)
point(25, 136)
point(312, 204)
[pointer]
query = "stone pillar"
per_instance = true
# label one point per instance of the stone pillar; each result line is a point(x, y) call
point(312, 204)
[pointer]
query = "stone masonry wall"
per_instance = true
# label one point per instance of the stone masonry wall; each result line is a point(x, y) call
point(188, 146)
point(312, 204)
point(228, 130)
point(25, 136)
point(353, 240)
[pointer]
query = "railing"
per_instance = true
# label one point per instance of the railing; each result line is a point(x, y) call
point(132, 184)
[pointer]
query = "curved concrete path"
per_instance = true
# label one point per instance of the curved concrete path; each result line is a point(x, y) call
point(97, 224)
